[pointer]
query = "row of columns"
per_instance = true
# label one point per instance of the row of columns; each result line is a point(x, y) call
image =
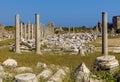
point(27, 31)
point(19, 33)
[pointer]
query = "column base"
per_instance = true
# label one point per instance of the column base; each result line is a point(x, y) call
point(106, 62)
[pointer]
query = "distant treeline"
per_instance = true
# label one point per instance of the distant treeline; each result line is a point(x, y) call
point(9, 28)
point(63, 29)
point(72, 29)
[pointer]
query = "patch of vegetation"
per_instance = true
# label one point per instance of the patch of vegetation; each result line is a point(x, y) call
point(118, 31)
point(6, 42)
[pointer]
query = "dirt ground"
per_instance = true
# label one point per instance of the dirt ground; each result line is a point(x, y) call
point(114, 42)
point(111, 42)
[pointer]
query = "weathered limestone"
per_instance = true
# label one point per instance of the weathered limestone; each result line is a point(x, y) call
point(21, 30)
point(113, 31)
point(105, 62)
point(45, 74)
point(4, 34)
point(104, 35)
point(26, 44)
point(26, 77)
point(17, 34)
point(1, 73)
point(37, 38)
point(59, 76)
point(1, 80)
point(25, 34)
point(10, 63)
point(29, 31)
point(43, 31)
point(82, 73)
point(1, 69)
point(97, 29)
point(41, 65)
point(32, 31)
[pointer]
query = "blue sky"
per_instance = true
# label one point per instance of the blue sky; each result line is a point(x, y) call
point(61, 12)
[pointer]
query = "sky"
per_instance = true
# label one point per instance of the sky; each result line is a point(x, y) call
point(67, 13)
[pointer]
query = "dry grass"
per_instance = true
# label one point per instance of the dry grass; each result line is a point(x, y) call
point(30, 59)
point(114, 42)
point(6, 42)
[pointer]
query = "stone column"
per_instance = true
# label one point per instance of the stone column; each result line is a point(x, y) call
point(104, 34)
point(37, 38)
point(105, 62)
point(25, 36)
point(17, 34)
point(21, 30)
point(29, 31)
point(32, 31)
point(43, 30)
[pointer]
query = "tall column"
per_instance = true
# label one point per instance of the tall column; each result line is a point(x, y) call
point(43, 30)
point(37, 38)
point(17, 34)
point(29, 31)
point(21, 30)
point(32, 31)
point(25, 36)
point(104, 34)
point(40, 30)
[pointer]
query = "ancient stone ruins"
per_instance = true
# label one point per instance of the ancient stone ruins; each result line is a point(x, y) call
point(5, 34)
point(28, 36)
point(36, 36)
point(42, 39)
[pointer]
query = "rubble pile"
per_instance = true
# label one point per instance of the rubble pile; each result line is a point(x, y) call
point(69, 42)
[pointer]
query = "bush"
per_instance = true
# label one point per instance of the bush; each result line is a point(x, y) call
point(118, 31)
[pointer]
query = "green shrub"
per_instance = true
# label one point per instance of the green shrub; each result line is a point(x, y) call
point(118, 31)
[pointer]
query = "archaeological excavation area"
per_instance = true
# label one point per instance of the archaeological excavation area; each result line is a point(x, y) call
point(46, 53)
